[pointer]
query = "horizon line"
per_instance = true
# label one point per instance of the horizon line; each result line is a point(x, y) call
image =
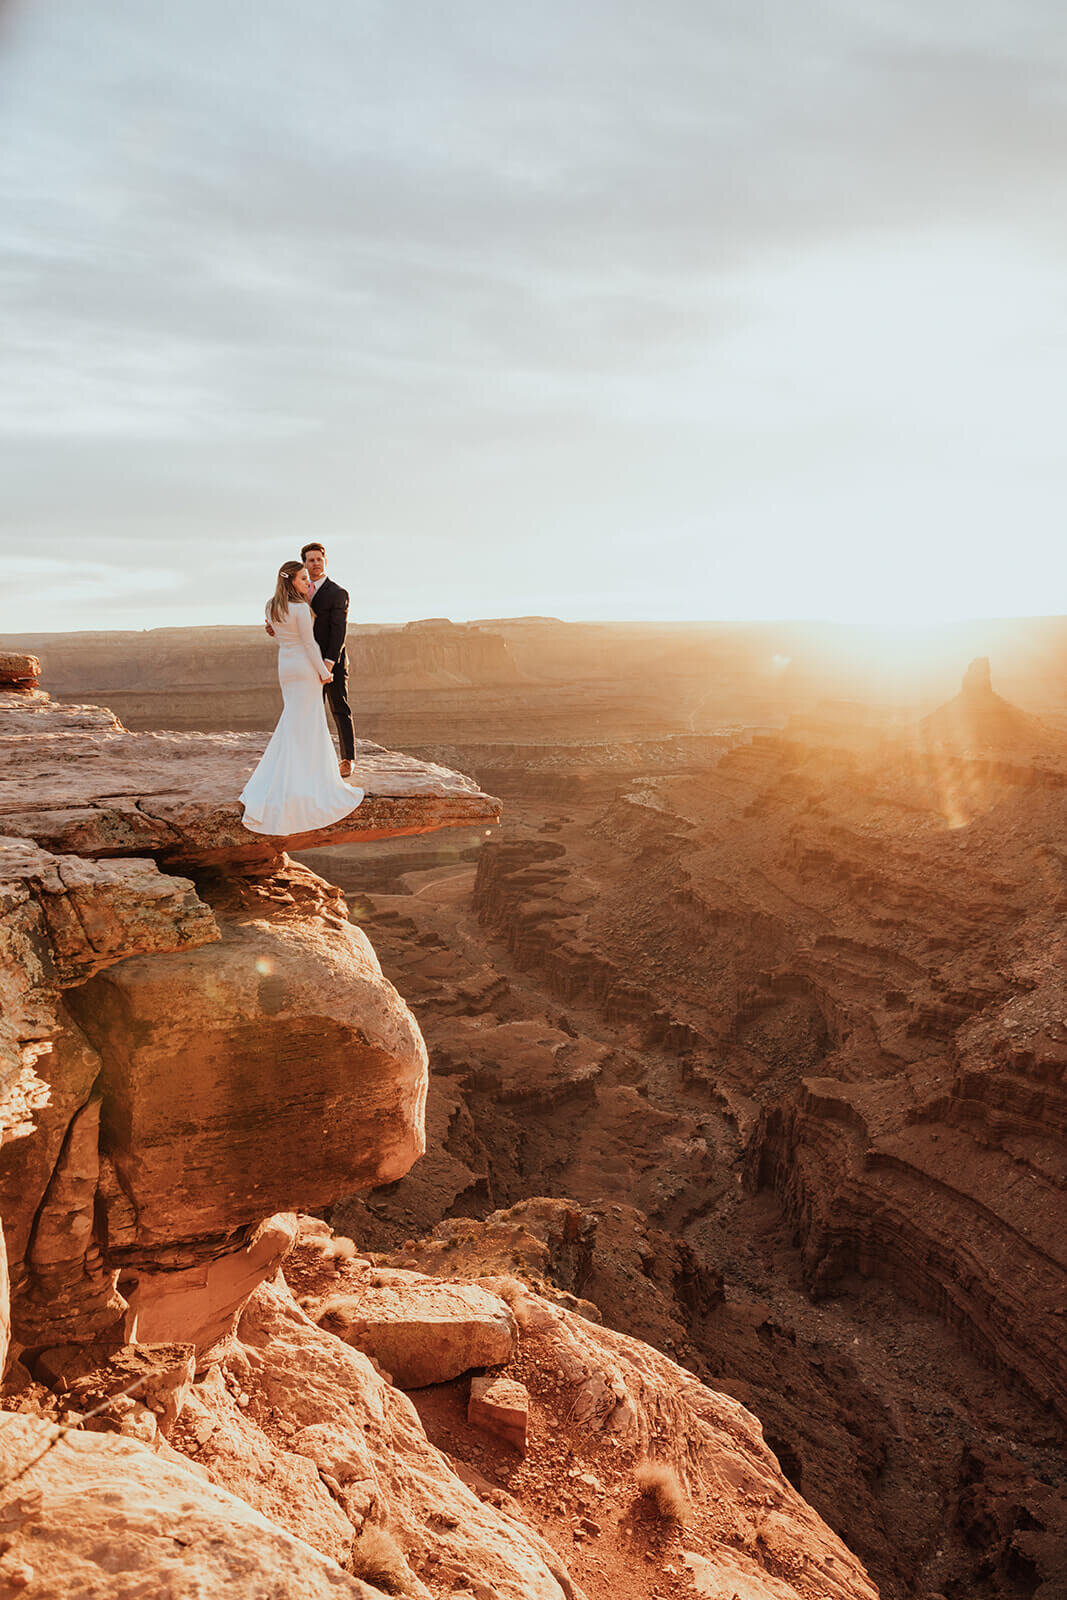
point(880, 624)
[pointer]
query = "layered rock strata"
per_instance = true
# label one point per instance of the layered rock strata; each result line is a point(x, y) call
point(19, 673)
point(832, 965)
point(198, 1052)
point(153, 1075)
point(78, 783)
point(867, 965)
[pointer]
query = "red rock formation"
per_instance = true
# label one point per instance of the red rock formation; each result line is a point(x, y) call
point(285, 1039)
point(841, 950)
point(78, 783)
point(19, 674)
point(288, 1038)
point(62, 920)
point(96, 1515)
point(223, 1045)
point(977, 719)
point(599, 1403)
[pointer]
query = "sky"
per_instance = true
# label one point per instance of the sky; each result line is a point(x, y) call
point(694, 309)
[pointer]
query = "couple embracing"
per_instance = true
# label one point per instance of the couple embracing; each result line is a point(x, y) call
point(297, 786)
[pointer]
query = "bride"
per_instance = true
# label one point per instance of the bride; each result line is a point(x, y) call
point(296, 787)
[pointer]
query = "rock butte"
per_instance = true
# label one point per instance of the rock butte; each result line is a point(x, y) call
point(188, 1060)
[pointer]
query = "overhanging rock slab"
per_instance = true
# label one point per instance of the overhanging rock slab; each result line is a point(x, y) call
point(76, 781)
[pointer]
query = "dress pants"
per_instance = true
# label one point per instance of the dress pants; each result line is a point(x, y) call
point(335, 693)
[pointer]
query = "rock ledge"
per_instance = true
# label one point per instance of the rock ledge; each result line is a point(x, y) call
point(77, 782)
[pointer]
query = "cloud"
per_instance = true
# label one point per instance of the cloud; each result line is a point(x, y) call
point(504, 281)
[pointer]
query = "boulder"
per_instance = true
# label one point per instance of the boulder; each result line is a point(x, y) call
point(422, 1331)
point(19, 674)
point(105, 1518)
point(275, 1071)
point(501, 1406)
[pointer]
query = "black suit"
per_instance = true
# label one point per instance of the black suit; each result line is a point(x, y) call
point(330, 607)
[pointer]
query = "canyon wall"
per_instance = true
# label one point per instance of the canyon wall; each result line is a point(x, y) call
point(866, 963)
point(797, 1017)
point(198, 1042)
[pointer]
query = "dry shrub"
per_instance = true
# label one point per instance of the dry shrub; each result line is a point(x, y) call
point(377, 1558)
point(339, 1248)
point(514, 1293)
point(659, 1482)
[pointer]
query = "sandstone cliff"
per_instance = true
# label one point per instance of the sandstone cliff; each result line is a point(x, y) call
point(167, 1074)
point(197, 1042)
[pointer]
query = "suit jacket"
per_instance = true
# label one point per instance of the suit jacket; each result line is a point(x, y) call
point(329, 604)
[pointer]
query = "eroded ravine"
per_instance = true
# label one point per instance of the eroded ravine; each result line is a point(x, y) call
point(916, 1438)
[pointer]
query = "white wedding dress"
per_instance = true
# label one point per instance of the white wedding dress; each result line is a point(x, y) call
point(297, 788)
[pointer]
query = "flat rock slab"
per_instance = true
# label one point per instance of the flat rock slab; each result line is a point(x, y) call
point(424, 1332)
point(76, 781)
point(501, 1406)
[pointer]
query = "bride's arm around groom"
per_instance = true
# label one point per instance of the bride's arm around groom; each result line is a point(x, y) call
point(307, 639)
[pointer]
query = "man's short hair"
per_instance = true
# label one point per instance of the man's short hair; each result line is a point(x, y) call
point(315, 545)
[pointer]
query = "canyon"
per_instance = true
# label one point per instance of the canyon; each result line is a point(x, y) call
point(746, 1027)
point(200, 1048)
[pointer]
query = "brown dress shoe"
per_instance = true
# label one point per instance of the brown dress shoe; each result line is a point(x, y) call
point(346, 769)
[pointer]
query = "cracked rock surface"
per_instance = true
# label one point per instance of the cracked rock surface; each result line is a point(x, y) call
point(76, 781)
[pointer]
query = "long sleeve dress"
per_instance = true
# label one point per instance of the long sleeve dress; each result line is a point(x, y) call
point(296, 787)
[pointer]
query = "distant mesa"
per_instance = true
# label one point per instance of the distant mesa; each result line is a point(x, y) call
point(979, 719)
point(515, 622)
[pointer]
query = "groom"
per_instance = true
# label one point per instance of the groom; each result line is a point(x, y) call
point(329, 602)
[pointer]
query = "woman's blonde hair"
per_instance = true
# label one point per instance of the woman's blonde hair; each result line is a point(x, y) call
point(285, 594)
